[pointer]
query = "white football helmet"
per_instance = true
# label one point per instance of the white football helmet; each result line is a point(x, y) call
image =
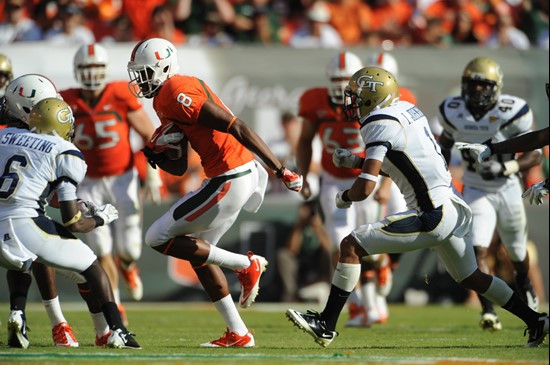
point(384, 60)
point(153, 61)
point(90, 66)
point(339, 71)
point(26, 91)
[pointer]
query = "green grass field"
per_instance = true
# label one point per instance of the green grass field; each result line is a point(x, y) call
point(170, 333)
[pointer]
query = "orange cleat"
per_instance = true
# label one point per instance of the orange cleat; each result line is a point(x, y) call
point(231, 339)
point(250, 279)
point(63, 335)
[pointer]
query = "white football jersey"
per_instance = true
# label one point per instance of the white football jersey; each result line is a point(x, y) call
point(400, 137)
point(31, 166)
point(510, 117)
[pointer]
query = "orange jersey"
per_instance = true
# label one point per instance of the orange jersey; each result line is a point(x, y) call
point(102, 132)
point(180, 100)
point(333, 128)
point(407, 95)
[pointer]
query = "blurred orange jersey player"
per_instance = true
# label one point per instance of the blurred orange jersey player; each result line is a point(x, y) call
point(334, 129)
point(103, 130)
point(104, 115)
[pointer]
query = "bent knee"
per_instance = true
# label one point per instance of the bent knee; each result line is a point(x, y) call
point(350, 247)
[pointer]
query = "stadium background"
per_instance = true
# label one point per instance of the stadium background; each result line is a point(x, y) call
point(259, 84)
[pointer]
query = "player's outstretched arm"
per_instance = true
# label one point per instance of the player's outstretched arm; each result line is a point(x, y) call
point(524, 143)
point(215, 117)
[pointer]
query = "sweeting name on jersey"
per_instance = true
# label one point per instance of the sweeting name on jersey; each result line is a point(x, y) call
point(25, 140)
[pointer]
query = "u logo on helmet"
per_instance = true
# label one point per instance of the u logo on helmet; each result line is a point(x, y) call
point(365, 81)
point(64, 116)
point(33, 93)
point(168, 53)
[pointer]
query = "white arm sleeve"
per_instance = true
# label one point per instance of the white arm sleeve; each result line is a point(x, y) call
point(66, 191)
point(380, 137)
point(70, 167)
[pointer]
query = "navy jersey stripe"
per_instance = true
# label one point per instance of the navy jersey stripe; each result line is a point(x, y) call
point(518, 115)
point(402, 162)
point(73, 153)
point(377, 117)
point(442, 112)
point(373, 144)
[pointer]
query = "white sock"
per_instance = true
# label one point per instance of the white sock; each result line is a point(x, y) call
point(54, 311)
point(368, 297)
point(220, 257)
point(382, 306)
point(231, 316)
point(100, 324)
point(346, 276)
point(116, 294)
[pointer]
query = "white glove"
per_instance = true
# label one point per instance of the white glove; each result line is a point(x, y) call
point(107, 212)
point(153, 184)
point(342, 157)
point(340, 203)
point(480, 150)
point(535, 193)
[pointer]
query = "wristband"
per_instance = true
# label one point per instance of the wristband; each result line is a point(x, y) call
point(98, 221)
point(280, 172)
point(73, 220)
point(510, 167)
point(345, 196)
point(489, 145)
point(231, 122)
point(366, 176)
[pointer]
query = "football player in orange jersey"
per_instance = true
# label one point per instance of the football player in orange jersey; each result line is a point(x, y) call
point(190, 112)
point(104, 114)
point(322, 111)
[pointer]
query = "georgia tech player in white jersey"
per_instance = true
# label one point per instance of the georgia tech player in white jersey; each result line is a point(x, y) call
point(399, 143)
point(36, 164)
point(492, 188)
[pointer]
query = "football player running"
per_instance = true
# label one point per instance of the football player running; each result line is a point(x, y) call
point(492, 188)
point(21, 95)
point(190, 112)
point(400, 144)
point(38, 163)
point(523, 143)
point(322, 111)
point(104, 114)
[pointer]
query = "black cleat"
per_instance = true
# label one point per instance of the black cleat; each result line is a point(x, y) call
point(312, 323)
point(122, 339)
point(17, 330)
point(537, 333)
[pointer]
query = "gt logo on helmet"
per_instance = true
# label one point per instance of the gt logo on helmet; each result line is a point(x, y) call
point(63, 116)
point(365, 82)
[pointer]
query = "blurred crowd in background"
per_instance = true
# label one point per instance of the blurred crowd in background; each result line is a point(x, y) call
point(294, 23)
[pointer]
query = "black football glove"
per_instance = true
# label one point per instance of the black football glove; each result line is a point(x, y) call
point(153, 158)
